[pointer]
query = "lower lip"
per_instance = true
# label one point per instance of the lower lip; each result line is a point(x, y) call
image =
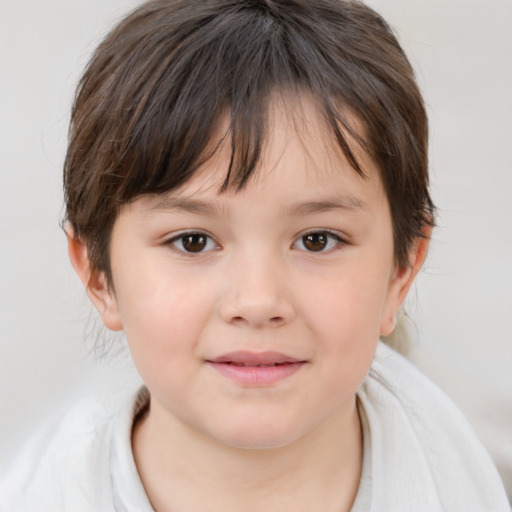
point(257, 375)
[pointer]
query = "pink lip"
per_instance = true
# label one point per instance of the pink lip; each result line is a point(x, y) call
point(256, 369)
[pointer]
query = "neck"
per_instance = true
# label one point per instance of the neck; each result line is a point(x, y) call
point(320, 471)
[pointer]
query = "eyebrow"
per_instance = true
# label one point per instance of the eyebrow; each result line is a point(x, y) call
point(345, 203)
point(187, 205)
point(206, 208)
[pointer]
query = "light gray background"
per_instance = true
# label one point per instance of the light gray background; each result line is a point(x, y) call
point(462, 304)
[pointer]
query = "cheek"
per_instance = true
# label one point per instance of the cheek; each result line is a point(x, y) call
point(163, 317)
point(349, 307)
point(345, 315)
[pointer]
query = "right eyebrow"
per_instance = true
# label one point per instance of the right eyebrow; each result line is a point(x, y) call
point(181, 204)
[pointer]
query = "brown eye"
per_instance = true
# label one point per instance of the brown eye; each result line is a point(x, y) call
point(193, 243)
point(315, 241)
point(318, 241)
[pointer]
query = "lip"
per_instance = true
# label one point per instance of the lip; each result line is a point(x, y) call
point(256, 369)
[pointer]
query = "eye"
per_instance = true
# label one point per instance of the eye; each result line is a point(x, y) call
point(193, 243)
point(318, 241)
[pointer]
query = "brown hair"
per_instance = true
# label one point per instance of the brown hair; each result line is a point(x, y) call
point(148, 102)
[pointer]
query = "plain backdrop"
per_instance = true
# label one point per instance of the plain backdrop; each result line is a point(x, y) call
point(461, 305)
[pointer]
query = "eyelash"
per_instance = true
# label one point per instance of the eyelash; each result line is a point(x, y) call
point(180, 238)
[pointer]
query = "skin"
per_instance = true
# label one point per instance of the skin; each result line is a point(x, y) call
point(295, 444)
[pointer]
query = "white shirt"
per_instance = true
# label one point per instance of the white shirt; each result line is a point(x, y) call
point(419, 454)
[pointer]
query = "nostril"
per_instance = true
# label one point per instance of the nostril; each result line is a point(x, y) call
point(273, 321)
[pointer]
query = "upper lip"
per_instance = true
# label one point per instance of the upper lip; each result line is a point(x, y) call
point(254, 358)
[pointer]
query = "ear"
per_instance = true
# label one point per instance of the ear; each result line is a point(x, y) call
point(401, 281)
point(95, 283)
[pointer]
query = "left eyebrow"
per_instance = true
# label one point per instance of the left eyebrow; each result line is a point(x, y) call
point(349, 204)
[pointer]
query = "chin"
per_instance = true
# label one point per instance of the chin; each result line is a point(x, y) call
point(258, 436)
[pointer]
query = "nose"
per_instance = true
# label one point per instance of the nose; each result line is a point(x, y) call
point(257, 295)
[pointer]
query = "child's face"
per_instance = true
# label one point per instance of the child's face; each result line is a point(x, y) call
point(253, 288)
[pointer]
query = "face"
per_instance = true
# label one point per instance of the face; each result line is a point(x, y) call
point(253, 316)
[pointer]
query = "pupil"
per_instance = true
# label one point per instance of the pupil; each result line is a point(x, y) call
point(315, 241)
point(194, 243)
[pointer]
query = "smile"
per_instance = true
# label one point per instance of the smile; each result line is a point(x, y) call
point(254, 370)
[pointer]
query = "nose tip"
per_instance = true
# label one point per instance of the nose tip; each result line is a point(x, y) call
point(257, 300)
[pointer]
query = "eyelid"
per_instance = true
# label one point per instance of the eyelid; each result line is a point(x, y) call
point(182, 232)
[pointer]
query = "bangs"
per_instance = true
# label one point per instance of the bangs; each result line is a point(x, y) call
point(181, 79)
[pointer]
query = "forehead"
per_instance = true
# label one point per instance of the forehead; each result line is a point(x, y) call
point(300, 159)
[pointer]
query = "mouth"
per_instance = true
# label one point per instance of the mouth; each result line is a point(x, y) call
point(256, 369)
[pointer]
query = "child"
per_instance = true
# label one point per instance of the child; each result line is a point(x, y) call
point(247, 199)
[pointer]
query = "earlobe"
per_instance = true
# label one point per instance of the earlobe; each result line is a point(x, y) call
point(401, 282)
point(95, 283)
